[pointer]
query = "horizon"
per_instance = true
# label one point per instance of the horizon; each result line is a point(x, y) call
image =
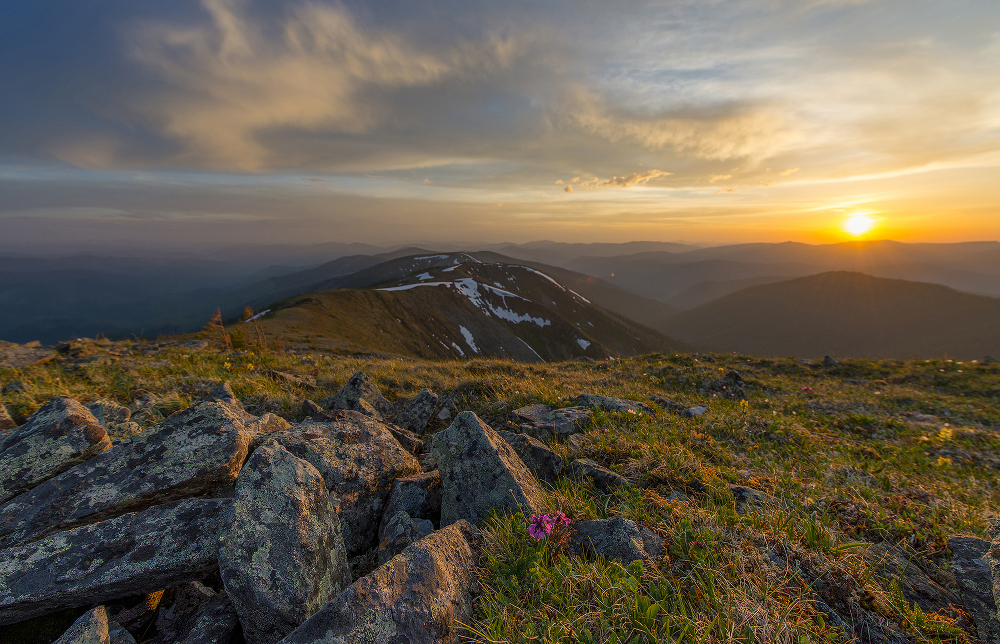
point(205, 123)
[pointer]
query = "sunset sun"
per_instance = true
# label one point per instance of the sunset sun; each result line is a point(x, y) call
point(858, 225)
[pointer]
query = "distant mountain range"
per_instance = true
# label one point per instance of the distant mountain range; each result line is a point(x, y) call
point(844, 314)
point(657, 285)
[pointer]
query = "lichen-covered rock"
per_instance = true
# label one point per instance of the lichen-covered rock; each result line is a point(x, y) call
point(58, 436)
point(418, 597)
point(266, 424)
point(604, 479)
point(359, 459)
point(224, 394)
point(138, 617)
point(6, 422)
point(547, 424)
point(975, 582)
point(418, 495)
point(177, 611)
point(407, 439)
point(89, 628)
point(118, 634)
point(282, 555)
point(617, 539)
point(399, 532)
point(359, 387)
point(215, 622)
point(310, 408)
point(121, 557)
point(419, 412)
point(608, 404)
point(892, 562)
point(189, 454)
point(666, 403)
point(108, 411)
point(480, 472)
point(545, 464)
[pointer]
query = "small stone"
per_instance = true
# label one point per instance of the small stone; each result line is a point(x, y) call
point(61, 434)
point(830, 361)
point(418, 495)
point(444, 414)
point(616, 405)
point(480, 473)
point(421, 596)
point(975, 582)
point(307, 382)
point(6, 422)
point(118, 634)
point(12, 387)
point(604, 479)
point(140, 616)
point(666, 403)
point(419, 412)
point(617, 539)
point(747, 498)
point(399, 532)
point(282, 555)
point(177, 610)
point(359, 387)
point(691, 412)
point(89, 628)
point(310, 409)
point(545, 464)
point(108, 411)
point(407, 439)
point(121, 557)
point(547, 424)
point(215, 622)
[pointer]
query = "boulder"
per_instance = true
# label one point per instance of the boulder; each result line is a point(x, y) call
point(89, 628)
point(547, 424)
point(418, 597)
point(121, 557)
point(419, 412)
point(399, 532)
point(359, 387)
point(189, 454)
point(418, 495)
point(177, 611)
point(480, 473)
point(603, 479)
point(6, 422)
point(359, 459)
point(215, 622)
point(545, 464)
point(892, 562)
point(58, 436)
point(608, 404)
point(830, 361)
point(118, 634)
point(138, 617)
point(666, 403)
point(617, 539)
point(266, 424)
point(975, 582)
point(108, 411)
point(282, 555)
point(310, 408)
point(407, 439)
point(307, 382)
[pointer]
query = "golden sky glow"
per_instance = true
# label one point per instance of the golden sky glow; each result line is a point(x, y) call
point(751, 120)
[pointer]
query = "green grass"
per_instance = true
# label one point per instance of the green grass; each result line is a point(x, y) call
point(849, 461)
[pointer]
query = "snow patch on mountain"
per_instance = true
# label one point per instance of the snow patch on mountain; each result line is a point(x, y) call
point(583, 343)
point(469, 340)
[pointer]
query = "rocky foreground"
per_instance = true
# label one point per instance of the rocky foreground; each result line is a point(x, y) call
point(354, 525)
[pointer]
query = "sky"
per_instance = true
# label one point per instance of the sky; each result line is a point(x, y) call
point(708, 121)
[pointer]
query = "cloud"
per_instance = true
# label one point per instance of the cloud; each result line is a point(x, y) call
point(232, 84)
point(785, 173)
point(569, 189)
point(559, 182)
point(719, 177)
point(574, 179)
point(427, 181)
point(629, 180)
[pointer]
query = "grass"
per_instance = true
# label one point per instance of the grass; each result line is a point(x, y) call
point(902, 453)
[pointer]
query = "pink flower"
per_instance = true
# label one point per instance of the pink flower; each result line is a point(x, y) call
point(808, 390)
point(542, 525)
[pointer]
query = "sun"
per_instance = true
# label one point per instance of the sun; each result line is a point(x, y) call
point(858, 225)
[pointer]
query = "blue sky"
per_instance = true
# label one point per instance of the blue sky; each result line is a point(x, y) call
point(314, 121)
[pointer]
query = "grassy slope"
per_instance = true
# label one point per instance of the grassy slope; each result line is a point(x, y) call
point(847, 460)
point(842, 313)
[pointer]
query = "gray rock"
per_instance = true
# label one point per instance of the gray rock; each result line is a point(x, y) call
point(547, 424)
point(224, 394)
point(892, 562)
point(608, 404)
point(89, 628)
point(407, 439)
point(604, 479)
point(12, 387)
point(975, 582)
point(189, 454)
point(666, 403)
point(266, 424)
point(121, 557)
point(6, 422)
point(307, 382)
point(419, 412)
point(697, 410)
point(545, 464)
point(138, 617)
point(399, 532)
point(58, 436)
point(118, 634)
point(215, 622)
point(310, 408)
point(617, 539)
point(108, 411)
point(282, 555)
point(747, 498)
point(830, 361)
point(177, 611)
point(419, 597)
point(419, 496)
point(480, 472)
point(359, 459)
point(359, 387)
